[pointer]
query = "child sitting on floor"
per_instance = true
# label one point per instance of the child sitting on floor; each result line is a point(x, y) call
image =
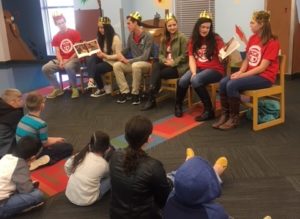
point(17, 192)
point(88, 171)
point(54, 148)
point(196, 186)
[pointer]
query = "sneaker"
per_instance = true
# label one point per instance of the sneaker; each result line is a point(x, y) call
point(75, 93)
point(189, 153)
point(98, 93)
point(122, 98)
point(55, 93)
point(108, 88)
point(136, 99)
point(41, 161)
point(33, 207)
point(90, 85)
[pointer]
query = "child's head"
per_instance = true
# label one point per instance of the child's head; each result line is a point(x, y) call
point(34, 102)
point(137, 131)
point(12, 97)
point(99, 142)
point(196, 182)
point(27, 147)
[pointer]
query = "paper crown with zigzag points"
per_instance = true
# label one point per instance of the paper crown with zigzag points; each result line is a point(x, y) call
point(261, 16)
point(103, 20)
point(136, 15)
point(170, 16)
point(57, 16)
point(205, 14)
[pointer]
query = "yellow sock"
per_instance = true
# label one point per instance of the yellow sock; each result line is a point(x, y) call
point(189, 153)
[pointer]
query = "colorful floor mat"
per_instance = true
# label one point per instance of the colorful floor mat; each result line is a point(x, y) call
point(53, 178)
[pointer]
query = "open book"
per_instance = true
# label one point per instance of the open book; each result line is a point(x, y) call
point(87, 48)
point(229, 48)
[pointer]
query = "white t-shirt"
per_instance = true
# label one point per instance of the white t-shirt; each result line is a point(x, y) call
point(84, 184)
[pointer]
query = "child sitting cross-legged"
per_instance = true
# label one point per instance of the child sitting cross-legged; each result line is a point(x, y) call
point(17, 192)
point(88, 171)
point(53, 149)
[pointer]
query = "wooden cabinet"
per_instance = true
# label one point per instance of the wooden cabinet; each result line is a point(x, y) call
point(285, 25)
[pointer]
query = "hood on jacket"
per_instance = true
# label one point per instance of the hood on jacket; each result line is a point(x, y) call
point(196, 183)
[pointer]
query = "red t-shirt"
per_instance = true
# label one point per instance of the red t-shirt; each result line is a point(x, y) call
point(168, 50)
point(202, 61)
point(64, 41)
point(257, 52)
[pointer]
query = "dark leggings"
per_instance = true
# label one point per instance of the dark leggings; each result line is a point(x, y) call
point(57, 152)
point(96, 67)
point(161, 71)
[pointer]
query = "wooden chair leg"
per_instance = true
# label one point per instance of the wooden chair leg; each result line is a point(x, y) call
point(60, 80)
point(255, 113)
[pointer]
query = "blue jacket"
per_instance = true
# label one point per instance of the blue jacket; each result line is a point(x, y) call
point(195, 188)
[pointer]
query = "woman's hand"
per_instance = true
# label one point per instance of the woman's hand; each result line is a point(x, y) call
point(169, 62)
point(236, 75)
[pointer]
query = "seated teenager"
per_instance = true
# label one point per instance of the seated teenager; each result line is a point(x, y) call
point(172, 61)
point(139, 46)
point(205, 66)
point(11, 111)
point(17, 192)
point(102, 62)
point(258, 70)
point(139, 184)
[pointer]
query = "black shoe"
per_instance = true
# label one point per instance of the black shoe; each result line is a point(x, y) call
point(122, 98)
point(149, 105)
point(136, 99)
point(178, 110)
point(206, 115)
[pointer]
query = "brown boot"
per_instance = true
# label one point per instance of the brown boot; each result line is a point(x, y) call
point(234, 109)
point(225, 112)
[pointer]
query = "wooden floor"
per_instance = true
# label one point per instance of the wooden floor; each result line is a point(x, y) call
point(263, 177)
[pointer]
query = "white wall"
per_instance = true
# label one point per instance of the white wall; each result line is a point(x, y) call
point(235, 12)
point(4, 51)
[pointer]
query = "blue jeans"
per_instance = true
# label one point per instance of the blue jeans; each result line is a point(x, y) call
point(202, 78)
point(104, 186)
point(20, 202)
point(232, 88)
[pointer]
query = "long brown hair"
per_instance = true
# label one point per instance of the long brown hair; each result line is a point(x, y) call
point(263, 17)
point(137, 132)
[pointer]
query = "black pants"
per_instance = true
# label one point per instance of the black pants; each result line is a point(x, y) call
point(161, 71)
point(57, 152)
point(96, 67)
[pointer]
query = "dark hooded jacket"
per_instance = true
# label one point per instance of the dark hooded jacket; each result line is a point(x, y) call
point(196, 187)
point(9, 119)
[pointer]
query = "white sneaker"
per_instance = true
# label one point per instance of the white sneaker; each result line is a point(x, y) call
point(98, 93)
point(108, 88)
point(90, 85)
point(41, 161)
point(33, 207)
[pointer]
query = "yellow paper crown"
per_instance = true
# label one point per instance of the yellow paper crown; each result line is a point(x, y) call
point(261, 16)
point(136, 15)
point(205, 14)
point(103, 20)
point(57, 15)
point(170, 16)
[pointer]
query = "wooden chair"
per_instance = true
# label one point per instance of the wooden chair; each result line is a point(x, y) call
point(108, 80)
point(167, 85)
point(274, 92)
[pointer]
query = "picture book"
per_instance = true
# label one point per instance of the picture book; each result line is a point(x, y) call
point(86, 48)
point(229, 48)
